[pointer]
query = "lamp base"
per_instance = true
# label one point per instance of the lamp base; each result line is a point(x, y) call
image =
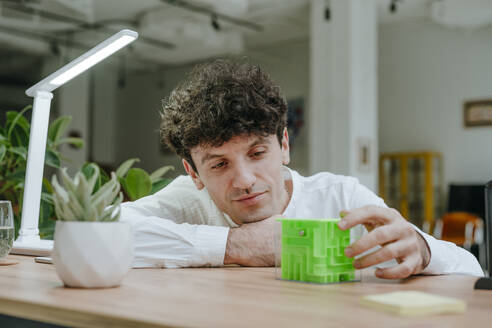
point(40, 247)
point(483, 283)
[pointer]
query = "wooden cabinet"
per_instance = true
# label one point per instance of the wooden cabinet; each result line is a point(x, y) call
point(412, 183)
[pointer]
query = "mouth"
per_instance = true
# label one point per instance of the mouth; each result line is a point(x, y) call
point(250, 199)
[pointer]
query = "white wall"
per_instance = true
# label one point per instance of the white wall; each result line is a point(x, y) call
point(104, 113)
point(91, 101)
point(138, 104)
point(343, 94)
point(73, 100)
point(426, 73)
point(288, 65)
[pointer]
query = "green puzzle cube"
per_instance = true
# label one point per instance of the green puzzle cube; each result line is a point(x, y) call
point(313, 251)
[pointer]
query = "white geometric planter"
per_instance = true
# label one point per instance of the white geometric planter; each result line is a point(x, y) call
point(92, 254)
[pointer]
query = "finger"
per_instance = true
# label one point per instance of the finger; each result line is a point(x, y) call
point(379, 236)
point(400, 271)
point(386, 253)
point(369, 226)
point(367, 214)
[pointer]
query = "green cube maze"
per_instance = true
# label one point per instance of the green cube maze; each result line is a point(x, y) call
point(313, 251)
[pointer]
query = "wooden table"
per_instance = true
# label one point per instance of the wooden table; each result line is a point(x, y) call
point(223, 297)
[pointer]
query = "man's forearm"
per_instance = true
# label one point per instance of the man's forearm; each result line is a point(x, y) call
point(251, 244)
point(233, 247)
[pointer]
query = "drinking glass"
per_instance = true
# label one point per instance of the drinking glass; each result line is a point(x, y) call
point(6, 228)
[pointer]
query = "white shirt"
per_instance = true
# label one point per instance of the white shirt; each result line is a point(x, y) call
point(180, 226)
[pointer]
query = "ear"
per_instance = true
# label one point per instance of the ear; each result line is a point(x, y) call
point(194, 175)
point(285, 147)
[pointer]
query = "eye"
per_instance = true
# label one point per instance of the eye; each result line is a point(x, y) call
point(219, 165)
point(258, 153)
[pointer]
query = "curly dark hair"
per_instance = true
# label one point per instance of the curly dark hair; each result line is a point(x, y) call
point(218, 101)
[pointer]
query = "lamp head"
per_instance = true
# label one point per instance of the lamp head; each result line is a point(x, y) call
point(84, 62)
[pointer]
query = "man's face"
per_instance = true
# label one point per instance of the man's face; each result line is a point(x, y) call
point(244, 176)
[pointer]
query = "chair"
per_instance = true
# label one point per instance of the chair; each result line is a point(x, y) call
point(464, 229)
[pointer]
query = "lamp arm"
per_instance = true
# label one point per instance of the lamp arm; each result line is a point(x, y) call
point(29, 231)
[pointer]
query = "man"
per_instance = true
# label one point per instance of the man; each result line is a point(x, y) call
point(227, 122)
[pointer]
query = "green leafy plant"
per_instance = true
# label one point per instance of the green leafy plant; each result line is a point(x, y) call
point(84, 198)
point(137, 183)
point(14, 142)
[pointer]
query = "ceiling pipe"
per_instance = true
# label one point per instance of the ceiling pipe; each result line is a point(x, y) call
point(208, 12)
point(44, 43)
point(80, 23)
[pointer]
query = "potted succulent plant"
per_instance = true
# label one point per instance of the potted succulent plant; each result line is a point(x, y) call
point(92, 249)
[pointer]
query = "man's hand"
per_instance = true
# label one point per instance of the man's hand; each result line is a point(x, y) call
point(394, 234)
point(252, 244)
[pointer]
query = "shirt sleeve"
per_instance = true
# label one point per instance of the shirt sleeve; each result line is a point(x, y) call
point(161, 242)
point(446, 257)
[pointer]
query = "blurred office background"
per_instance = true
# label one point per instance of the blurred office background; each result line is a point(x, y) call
point(395, 92)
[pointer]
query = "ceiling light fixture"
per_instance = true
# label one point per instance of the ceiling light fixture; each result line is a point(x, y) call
point(327, 13)
point(215, 22)
point(393, 7)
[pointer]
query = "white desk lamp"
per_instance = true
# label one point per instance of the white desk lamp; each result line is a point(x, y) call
point(29, 242)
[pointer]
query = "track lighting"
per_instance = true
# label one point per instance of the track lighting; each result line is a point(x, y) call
point(215, 22)
point(393, 7)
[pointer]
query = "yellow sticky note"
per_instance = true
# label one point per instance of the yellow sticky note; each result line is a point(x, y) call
point(414, 303)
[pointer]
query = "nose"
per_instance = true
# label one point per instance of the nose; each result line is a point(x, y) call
point(244, 176)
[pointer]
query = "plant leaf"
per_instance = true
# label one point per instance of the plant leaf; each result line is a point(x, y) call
point(6, 186)
point(58, 127)
point(112, 213)
point(21, 151)
point(67, 181)
point(46, 226)
point(60, 198)
point(138, 184)
point(52, 158)
point(47, 187)
point(17, 119)
point(46, 197)
point(125, 166)
point(18, 133)
point(159, 184)
point(3, 151)
point(104, 197)
point(104, 177)
point(94, 178)
point(19, 137)
point(17, 175)
point(92, 171)
point(83, 194)
point(157, 174)
point(109, 188)
point(77, 142)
